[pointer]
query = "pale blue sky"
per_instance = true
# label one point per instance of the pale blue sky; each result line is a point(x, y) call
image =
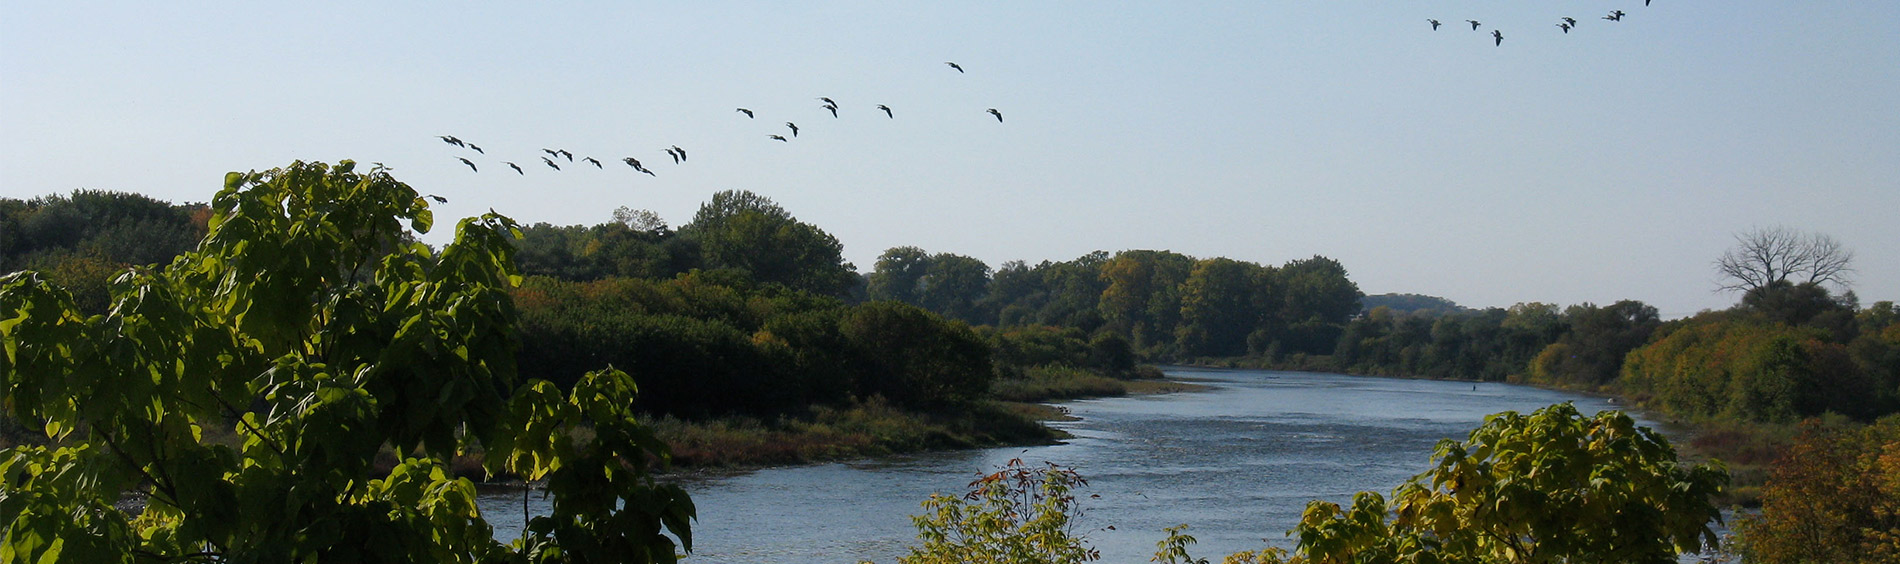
point(1613, 162)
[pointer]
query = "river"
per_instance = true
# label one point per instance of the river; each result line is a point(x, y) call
point(1236, 462)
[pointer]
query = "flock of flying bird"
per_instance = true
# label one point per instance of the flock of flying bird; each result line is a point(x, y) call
point(554, 157)
point(1497, 37)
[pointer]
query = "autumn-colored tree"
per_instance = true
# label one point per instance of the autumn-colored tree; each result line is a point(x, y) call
point(1834, 498)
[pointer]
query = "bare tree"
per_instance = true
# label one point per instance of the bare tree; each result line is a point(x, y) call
point(1765, 256)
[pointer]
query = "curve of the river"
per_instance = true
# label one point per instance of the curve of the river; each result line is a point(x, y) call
point(1236, 462)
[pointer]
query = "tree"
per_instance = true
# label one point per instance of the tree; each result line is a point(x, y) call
point(1770, 255)
point(747, 232)
point(1020, 514)
point(897, 273)
point(1834, 497)
point(1552, 486)
point(312, 327)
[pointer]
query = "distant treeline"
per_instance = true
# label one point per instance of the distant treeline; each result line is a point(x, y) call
point(82, 240)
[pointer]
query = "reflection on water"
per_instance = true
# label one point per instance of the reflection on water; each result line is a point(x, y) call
point(1237, 463)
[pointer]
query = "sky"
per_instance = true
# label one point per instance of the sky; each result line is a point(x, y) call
point(1616, 161)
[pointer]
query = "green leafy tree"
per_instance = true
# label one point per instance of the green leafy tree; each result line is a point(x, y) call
point(1020, 514)
point(898, 273)
point(312, 327)
point(1218, 308)
point(747, 232)
point(954, 286)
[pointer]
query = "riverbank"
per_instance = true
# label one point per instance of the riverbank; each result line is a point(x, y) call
point(873, 428)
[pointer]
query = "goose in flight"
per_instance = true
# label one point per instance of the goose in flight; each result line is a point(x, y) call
point(778, 137)
point(477, 149)
point(1571, 21)
point(748, 113)
point(450, 139)
point(827, 101)
point(1565, 26)
point(676, 156)
point(954, 66)
point(794, 127)
point(551, 152)
point(550, 163)
point(570, 156)
point(1615, 16)
point(635, 163)
point(887, 111)
point(682, 152)
point(1435, 24)
point(438, 199)
point(591, 160)
point(999, 115)
point(514, 166)
point(1474, 24)
point(1498, 36)
point(471, 165)
point(833, 108)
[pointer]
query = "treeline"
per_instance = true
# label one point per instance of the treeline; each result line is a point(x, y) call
point(81, 241)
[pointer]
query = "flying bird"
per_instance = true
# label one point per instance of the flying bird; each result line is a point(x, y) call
point(450, 139)
point(635, 163)
point(477, 149)
point(999, 115)
point(682, 152)
point(551, 152)
point(827, 101)
point(778, 137)
point(570, 156)
point(676, 156)
point(1615, 16)
point(1571, 21)
point(1435, 24)
point(794, 128)
point(592, 161)
point(471, 165)
point(514, 166)
point(438, 199)
point(833, 108)
point(1645, 2)
point(1474, 24)
point(550, 163)
point(954, 66)
point(1565, 26)
point(748, 113)
point(887, 111)
point(1498, 36)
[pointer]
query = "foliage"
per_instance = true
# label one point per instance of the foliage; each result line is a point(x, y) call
point(309, 323)
point(1020, 514)
point(1834, 497)
point(749, 233)
point(1735, 368)
point(80, 241)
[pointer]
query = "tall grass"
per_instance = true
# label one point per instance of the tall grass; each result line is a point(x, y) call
point(867, 428)
point(1050, 383)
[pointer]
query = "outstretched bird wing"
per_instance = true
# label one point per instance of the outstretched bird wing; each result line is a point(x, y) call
point(999, 115)
point(954, 66)
point(514, 166)
point(748, 113)
point(471, 165)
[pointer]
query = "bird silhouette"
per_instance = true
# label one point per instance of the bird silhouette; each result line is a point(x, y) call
point(514, 166)
point(438, 199)
point(778, 137)
point(1565, 26)
point(748, 113)
point(1645, 2)
point(682, 152)
point(471, 165)
point(1615, 16)
point(1435, 24)
point(551, 152)
point(887, 111)
point(676, 156)
point(550, 163)
point(833, 108)
point(794, 128)
point(999, 115)
point(632, 162)
point(954, 66)
point(570, 156)
point(477, 149)
point(1474, 24)
point(827, 101)
point(592, 161)
point(1498, 36)
point(1571, 21)
point(450, 139)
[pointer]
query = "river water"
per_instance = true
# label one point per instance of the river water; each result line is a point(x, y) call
point(1237, 463)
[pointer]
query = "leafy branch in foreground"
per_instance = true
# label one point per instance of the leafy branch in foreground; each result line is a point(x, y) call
point(312, 326)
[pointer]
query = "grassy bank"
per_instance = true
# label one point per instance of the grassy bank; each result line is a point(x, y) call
point(871, 428)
